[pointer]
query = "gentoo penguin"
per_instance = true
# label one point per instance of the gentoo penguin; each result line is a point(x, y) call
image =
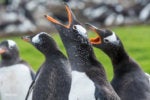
point(129, 81)
point(89, 80)
point(53, 80)
point(15, 74)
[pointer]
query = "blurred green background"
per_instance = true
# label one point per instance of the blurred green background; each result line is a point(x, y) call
point(136, 40)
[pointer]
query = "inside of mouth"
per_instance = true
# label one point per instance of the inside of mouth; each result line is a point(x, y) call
point(96, 40)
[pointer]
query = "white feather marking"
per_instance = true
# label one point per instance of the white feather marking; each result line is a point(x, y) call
point(82, 88)
point(81, 30)
point(36, 38)
point(111, 38)
point(14, 82)
point(11, 43)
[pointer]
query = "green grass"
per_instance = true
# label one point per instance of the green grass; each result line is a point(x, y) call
point(136, 40)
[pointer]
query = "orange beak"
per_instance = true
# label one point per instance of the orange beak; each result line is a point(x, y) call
point(51, 19)
point(2, 50)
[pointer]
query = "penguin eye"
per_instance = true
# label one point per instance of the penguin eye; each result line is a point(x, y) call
point(10, 47)
point(74, 27)
point(106, 40)
point(81, 30)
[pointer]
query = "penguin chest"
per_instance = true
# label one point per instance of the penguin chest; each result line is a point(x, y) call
point(14, 82)
point(82, 88)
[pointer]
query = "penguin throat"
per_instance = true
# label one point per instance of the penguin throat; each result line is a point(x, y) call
point(80, 57)
point(8, 60)
point(118, 56)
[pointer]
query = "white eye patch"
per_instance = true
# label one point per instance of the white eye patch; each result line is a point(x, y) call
point(36, 38)
point(81, 30)
point(111, 38)
point(11, 43)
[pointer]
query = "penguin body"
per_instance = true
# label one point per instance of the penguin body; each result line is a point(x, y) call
point(15, 75)
point(79, 80)
point(87, 72)
point(129, 81)
point(53, 80)
point(15, 81)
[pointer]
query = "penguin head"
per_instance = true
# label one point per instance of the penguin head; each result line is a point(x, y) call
point(42, 41)
point(106, 40)
point(73, 31)
point(9, 50)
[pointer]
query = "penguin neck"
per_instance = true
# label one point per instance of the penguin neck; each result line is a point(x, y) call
point(49, 51)
point(121, 61)
point(118, 56)
point(8, 60)
point(53, 55)
point(81, 56)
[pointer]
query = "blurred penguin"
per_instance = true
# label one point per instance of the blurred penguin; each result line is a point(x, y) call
point(15, 74)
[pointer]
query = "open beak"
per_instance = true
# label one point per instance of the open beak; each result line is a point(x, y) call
point(26, 38)
point(96, 40)
point(70, 18)
point(2, 50)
